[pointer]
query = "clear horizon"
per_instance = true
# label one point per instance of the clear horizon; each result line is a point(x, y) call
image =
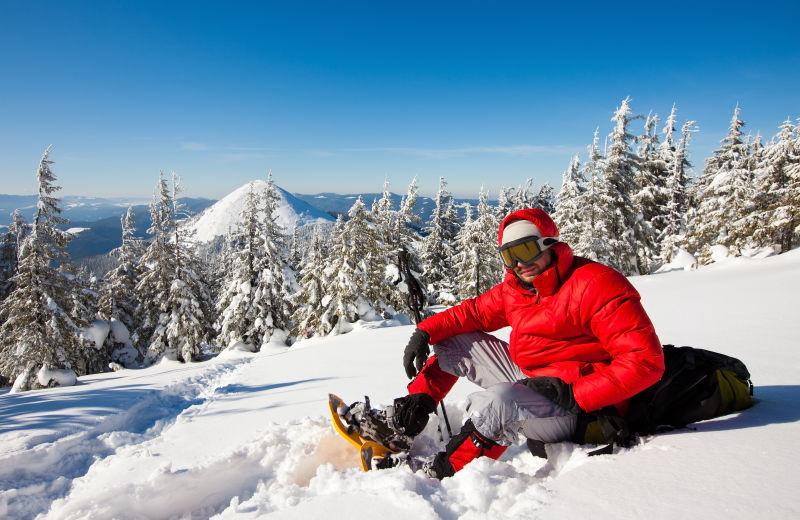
point(336, 98)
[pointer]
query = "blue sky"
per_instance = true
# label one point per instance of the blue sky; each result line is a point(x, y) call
point(334, 96)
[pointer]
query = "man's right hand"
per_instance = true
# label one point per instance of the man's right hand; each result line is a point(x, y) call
point(416, 353)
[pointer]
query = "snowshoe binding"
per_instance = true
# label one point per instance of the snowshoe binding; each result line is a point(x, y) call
point(375, 425)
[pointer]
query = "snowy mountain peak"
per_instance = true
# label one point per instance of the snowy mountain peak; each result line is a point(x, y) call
point(226, 213)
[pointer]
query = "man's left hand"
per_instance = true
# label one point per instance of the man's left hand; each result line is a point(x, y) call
point(554, 389)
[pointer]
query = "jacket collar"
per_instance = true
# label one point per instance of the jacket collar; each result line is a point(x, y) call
point(547, 283)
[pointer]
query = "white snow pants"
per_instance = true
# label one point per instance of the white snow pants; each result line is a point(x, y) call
point(505, 408)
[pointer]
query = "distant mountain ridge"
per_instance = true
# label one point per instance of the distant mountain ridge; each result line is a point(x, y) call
point(101, 216)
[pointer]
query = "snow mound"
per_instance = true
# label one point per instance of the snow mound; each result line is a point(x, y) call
point(61, 376)
point(225, 214)
point(682, 260)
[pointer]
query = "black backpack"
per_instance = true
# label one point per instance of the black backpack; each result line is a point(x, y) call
point(697, 384)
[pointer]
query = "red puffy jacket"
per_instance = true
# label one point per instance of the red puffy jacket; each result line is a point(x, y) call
point(582, 322)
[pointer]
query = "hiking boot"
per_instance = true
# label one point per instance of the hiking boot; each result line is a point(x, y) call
point(394, 427)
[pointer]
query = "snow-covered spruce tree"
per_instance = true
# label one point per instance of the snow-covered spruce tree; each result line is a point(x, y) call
point(724, 193)
point(295, 258)
point(185, 323)
point(663, 169)
point(478, 267)
point(118, 295)
point(674, 232)
point(570, 214)
point(649, 196)
point(437, 249)
point(275, 283)
point(546, 198)
point(347, 294)
point(235, 316)
point(383, 266)
point(778, 199)
point(505, 204)
point(10, 247)
point(617, 226)
point(157, 268)
point(307, 320)
point(40, 341)
point(523, 196)
point(404, 235)
point(587, 243)
point(403, 232)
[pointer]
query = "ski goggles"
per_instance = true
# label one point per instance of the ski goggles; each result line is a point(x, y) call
point(525, 250)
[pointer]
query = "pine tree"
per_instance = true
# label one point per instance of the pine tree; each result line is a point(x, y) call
point(40, 329)
point(570, 213)
point(724, 193)
point(346, 274)
point(673, 234)
point(505, 203)
point(545, 198)
point(118, 297)
point(10, 247)
point(158, 268)
point(523, 196)
point(183, 325)
point(237, 307)
point(588, 242)
point(618, 228)
point(403, 234)
point(437, 248)
point(478, 266)
point(649, 196)
point(777, 197)
point(308, 320)
point(275, 281)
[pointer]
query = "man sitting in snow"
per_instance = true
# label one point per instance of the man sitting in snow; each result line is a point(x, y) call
point(580, 341)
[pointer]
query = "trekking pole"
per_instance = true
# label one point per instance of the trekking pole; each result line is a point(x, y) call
point(416, 300)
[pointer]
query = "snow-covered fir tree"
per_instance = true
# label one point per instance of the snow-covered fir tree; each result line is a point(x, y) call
point(570, 214)
point(384, 258)
point(295, 258)
point(347, 272)
point(10, 247)
point(724, 195)
point(41, 338)
point(478, 266)
point(118, 296)
point(235, 307)
point(617, 226)
point(248, 312)
point(437, 248)
point(778, 199)
point(588, 242)
point(546, 198)
point(184, 324)
point(673, 234)
point(275, 281)
point(505, 202)
point(524, 196)
point(308, 319)
point(405, 221)
point(157, 267)
point(649, 195)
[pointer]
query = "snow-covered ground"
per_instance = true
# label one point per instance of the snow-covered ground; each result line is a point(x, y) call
point(247, 435)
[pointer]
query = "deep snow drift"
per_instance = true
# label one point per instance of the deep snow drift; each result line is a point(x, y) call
point(247, 436)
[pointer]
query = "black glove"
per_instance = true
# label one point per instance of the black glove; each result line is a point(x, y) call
point(411, 412)
point(416, 352)
point(554, 389)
